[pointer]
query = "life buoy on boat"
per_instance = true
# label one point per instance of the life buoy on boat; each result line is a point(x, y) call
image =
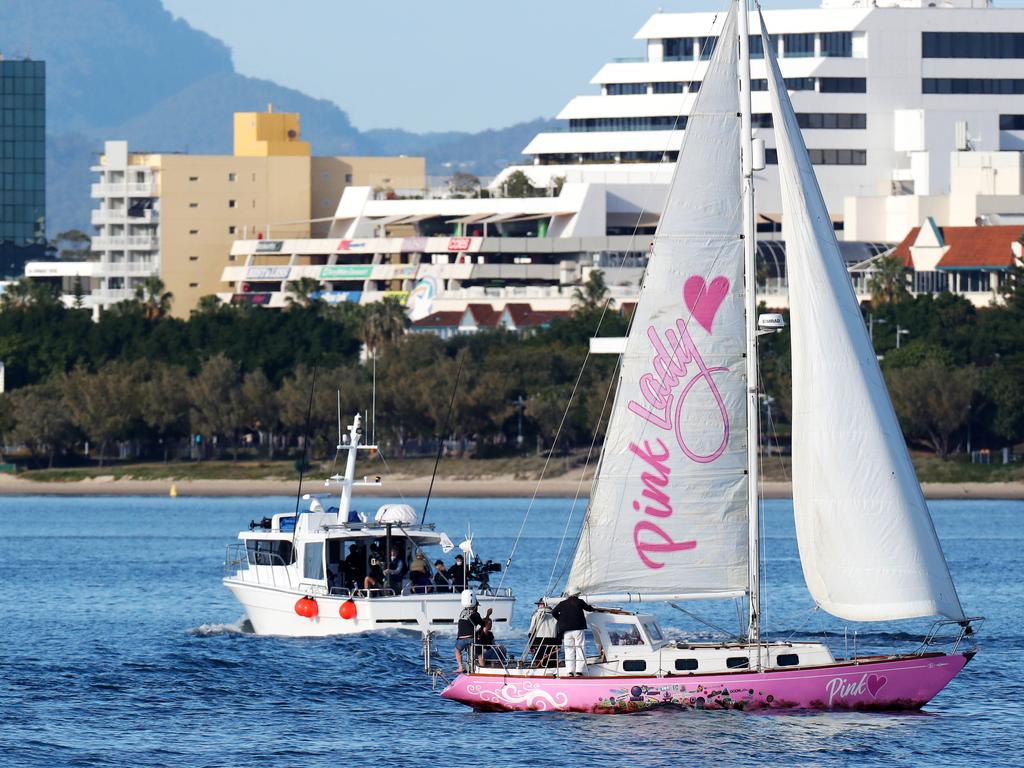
point(348, 609)
point(307, 607)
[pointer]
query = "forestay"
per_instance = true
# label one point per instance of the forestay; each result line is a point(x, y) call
point(668, 512)
point(867, 543)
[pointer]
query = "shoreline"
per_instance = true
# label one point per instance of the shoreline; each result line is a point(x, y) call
point(498, 487)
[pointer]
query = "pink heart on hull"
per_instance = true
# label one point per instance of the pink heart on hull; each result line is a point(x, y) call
point(875, 683)
point(703, 300)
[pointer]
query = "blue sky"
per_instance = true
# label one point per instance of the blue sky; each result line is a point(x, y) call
point(432, 66)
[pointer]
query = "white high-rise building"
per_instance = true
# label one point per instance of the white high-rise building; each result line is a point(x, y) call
point(885, 90)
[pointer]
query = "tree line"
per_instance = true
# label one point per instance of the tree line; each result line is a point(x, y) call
point(241, 377)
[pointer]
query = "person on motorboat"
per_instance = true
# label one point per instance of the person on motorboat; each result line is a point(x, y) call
point(395, 571)
point(457, 574)
point(375, 577)
point(441, 582)
point(469, 620)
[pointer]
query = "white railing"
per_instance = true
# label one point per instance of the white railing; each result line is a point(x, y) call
point(124, 189)
point(120, 216)
point(140, 242)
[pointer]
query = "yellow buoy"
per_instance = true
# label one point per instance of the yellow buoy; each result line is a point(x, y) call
point(174, 491)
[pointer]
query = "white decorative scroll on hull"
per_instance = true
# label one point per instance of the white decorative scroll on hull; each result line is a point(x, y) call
point(668, 514)
point(867, 544)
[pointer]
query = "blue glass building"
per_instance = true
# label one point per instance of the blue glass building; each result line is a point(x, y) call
point(22, 164)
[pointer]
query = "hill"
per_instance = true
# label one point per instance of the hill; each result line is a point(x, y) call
point(127, 69)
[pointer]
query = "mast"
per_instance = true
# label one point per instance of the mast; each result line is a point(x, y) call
point(750, 305)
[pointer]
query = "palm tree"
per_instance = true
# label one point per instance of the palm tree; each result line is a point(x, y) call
point(384, 323)
point(24, 292)
point(155, 301)
point(888, 281)
point(593, 293)
point(303, 292)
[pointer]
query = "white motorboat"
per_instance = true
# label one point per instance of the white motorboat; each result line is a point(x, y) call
point(303, 573)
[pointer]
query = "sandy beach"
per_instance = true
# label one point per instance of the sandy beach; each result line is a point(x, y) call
point(499, 486)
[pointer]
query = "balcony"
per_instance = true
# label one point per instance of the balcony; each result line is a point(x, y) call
point(131, 242)
point(102, 216)
point(123, 189)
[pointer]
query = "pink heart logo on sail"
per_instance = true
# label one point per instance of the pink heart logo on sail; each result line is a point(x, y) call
point(703, 300)
point(875, 683)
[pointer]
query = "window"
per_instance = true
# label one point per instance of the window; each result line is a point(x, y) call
point(193, 258)
point(972, 45)
point(974, 280)
point(193, 231)
point(1011, 122)
point(798, 46)
point(626, 89)
point(193, 285)
point(313, 561)
point(665, 123)
point(193, 178)
point(634, 665)
point(232, 229)
point(232, 203)
point(930, 282)
point(737, 662)
point(193, 205)
point(653, 631)
point(761, 120)
point(686, 665)
point(827, 156)
point(232, 176)
point(972, 85)
point(668, 87)
point(269, 552)
point(348, 178)
point(842, 84)
point(839, 120)
point(837, 44)
point(677, 49)
point(787, 660)
point(624, 634)
point(706, 46)
point(756, 45)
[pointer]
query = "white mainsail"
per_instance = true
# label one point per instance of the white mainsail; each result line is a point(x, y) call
point(668, 516)
point(867, 543)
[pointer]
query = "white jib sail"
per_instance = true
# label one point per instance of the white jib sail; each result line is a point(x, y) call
point(867, 543)
point(668, 514)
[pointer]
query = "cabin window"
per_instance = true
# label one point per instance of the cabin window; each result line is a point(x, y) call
point(686, 665)
point(634, 665)
point(653, 631)
point(787, 660)
point(737, 662)
point(624, 634)
point(269, 552)
point(313, 561)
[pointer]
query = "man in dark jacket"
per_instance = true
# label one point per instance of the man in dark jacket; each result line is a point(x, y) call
point(457, 574)
point(571, 617)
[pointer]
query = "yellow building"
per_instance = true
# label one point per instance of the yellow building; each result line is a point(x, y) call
point(176, 215)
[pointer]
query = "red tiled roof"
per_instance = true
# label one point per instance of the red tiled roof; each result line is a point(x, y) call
point(439, 320)
point(525, 316)
point(484, 314)
point(969, 247)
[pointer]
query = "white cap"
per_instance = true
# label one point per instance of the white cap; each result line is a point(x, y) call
point(468, 598)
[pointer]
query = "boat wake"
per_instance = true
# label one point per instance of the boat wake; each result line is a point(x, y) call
point(240, 627)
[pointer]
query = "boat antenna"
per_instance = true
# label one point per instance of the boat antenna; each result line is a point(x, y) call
point(305, 451)
point(440, 437)
point(373, 404)
point(339, 423)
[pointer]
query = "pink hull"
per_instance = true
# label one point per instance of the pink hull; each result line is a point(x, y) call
point(894, 684)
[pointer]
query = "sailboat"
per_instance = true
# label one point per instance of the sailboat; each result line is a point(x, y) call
point(674, 511)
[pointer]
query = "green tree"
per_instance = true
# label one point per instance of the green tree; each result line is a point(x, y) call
point(933, 402)
point(260, 409)
point(888, 281)
point(25, 293)
point(40, 423)
point(103, 405)
point(593, 293)
point(384, 323)
point(216, 408)
point(518, 184)
point(302, 292)
point(72, 245)
point(463, 184)
point(155, 301)
point(165, 403)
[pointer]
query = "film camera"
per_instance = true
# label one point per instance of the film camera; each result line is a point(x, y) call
point(481, 571)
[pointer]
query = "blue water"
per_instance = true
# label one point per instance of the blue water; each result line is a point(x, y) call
point(119, 646)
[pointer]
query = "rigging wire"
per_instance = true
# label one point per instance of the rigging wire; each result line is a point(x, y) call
point(305, 451)
point(440, 440)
